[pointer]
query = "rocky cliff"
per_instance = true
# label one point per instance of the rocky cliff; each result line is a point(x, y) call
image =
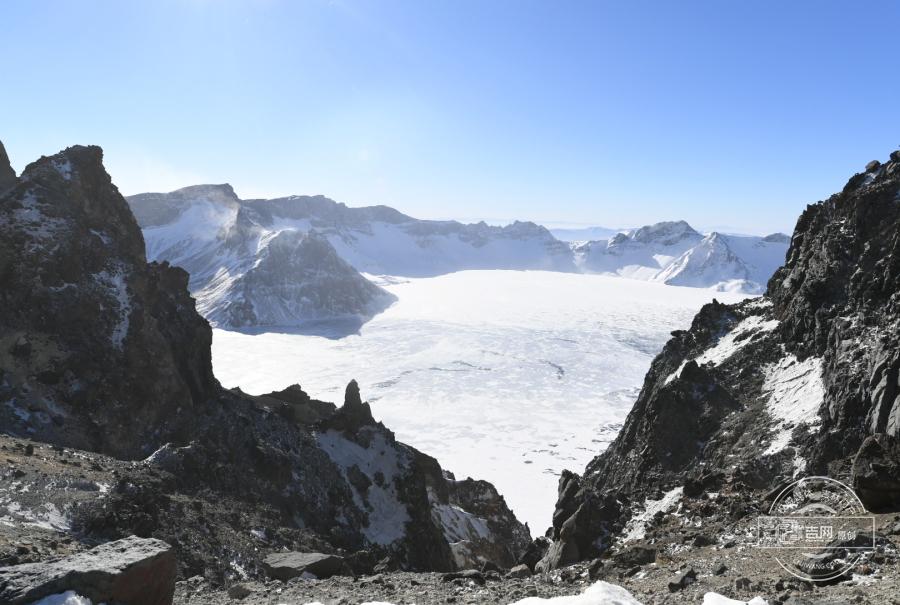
point(801, 381)
point(77, 300)
point(104, 356)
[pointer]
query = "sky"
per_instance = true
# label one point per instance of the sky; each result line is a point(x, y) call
point(730, 115)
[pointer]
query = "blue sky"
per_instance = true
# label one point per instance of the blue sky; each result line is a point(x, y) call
point(732, 115)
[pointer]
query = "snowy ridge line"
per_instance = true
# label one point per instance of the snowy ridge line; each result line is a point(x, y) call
point(221, 240)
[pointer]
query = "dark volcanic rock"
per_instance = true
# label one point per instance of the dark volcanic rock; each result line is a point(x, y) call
point(286, 565)
point(7, 174)
point(77, 288)
point(876, 473)
point(137, 571)
point(757, 393)
point(297, 406)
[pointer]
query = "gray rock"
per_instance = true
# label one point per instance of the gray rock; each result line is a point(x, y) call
point(635, 555)
point(683, 581)
point(467, 574)
point(286, 565)
point(239, 591)
point(519, 571)
point(873, 166)
point(876, 473)
point(137, 571)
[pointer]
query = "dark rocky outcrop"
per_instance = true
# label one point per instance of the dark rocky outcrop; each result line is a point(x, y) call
point(801, 381)
point(7, 174)
point(102, 352)
point(77, 299)
point(876, 473)
point(137, 571)
point(285, 566)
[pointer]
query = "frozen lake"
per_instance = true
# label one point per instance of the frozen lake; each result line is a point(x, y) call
point(509, 376)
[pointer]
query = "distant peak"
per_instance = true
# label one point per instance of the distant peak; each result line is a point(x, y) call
point(666, 231)
point(224, 191)
point(778, 238)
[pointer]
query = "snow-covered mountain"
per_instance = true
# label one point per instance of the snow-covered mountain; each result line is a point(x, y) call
point(676, 254)
point(185, 225)
point(288, 260)
point(296, 276)
point(245, 271)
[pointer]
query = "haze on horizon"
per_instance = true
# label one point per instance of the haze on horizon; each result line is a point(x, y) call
point(730, 116)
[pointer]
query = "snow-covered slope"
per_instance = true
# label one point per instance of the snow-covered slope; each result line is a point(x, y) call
point(674, 253)
point(296, 276)
point(583, 234)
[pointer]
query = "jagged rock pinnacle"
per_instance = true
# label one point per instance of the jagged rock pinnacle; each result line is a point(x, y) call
point(7, 174)
point(351, 394)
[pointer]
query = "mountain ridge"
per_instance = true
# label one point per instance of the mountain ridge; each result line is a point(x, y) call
point(219, 238)
point(802, 381)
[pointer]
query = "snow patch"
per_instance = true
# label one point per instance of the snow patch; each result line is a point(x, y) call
point(598, 593)
point(736, 339)
point(47, 516)
point(115, 283)
point(636, 528)
point(387, 515)
point(70, 597)
point(795, 394)
point(714, 598)
point(31, 219)
point(460, 529)
point(64, 167)
point(458, 524)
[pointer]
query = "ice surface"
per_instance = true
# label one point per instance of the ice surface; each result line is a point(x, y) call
point(508, 376)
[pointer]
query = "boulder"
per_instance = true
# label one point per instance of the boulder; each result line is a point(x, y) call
point(876, 473)
point(683, 581)
point(519, 571)
point(136, 571)
point(873, 166)
point(286, 565)
point(635, 555)
point(467, 575)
